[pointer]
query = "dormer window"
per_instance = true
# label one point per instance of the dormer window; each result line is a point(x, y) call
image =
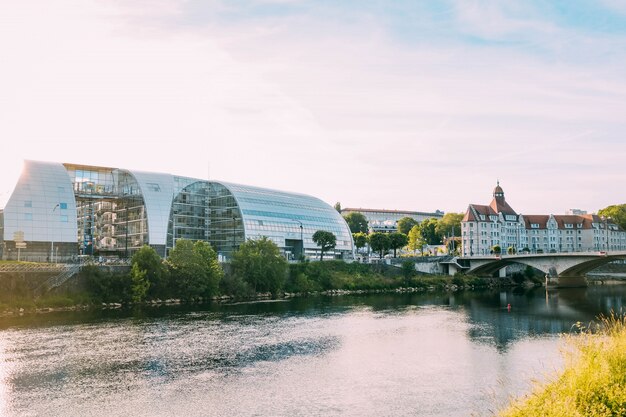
point(482, 217)
point(534, 225)
point(569, 225)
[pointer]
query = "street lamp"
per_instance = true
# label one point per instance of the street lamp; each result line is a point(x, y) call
point(52, 241)
point(301, 239)
point(234, 224)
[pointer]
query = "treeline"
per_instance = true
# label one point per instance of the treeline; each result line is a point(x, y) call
point(192, 273)
point(410, 233)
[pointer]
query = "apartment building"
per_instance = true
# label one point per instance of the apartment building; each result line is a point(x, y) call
point(485, 226)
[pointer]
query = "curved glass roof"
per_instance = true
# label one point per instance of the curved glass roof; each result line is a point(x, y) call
point(279, 214)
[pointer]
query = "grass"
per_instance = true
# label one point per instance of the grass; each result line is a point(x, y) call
point(593, 382)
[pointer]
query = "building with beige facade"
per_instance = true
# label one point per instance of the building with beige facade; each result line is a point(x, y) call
point(485, 226)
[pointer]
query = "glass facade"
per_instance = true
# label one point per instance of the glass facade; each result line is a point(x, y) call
point(240, 212)
point(80, 209)
point(189, 217)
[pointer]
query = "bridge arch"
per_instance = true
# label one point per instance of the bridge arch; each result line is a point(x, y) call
point(493, 267)
point(588, 266)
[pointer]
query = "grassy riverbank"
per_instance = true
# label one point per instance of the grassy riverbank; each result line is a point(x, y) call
point(95, 286)
point(593, 382)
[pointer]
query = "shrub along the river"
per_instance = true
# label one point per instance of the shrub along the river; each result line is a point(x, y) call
point(194, 270)
point(156, 274)
point(260, 264)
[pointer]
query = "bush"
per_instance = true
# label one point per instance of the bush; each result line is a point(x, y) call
point(458, 280)
point(235, 286)
point(107, 287)
point(261, 265)
point(194, 270)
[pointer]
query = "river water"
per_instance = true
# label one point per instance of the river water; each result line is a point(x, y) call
point(454, 354)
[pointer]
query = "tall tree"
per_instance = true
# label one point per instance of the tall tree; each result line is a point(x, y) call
point(325, 240)
point(195, 271)
point(405, 224)
point(338, 206)
point(260, 263)
point(379, 242)
point(150, 262)
point(617, 213)
point(449, 224)
point(357, 222)
point(416, 241)
point(139, 283)
point(397, 240)
point(428, 229)
point(360, 240)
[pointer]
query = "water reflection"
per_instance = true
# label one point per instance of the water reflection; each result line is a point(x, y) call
point(417, 354)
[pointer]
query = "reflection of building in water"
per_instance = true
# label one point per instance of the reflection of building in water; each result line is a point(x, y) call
point(484, 227)
point(534, 312)
point(58, 211)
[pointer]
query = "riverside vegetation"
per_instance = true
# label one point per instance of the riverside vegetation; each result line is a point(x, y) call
point(192, 274)
point(593, 382)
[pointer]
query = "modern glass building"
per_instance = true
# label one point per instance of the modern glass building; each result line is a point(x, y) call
point(58, 211)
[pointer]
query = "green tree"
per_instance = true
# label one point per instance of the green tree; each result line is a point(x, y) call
point(449, 223)
point(428, 228)
point(357, 222)
point(360, 240)
point(325, 240)
point(496, 249)
point(397, 240)
point(379, 242)
point(338, 206)
point(195, 271)
point(405, 224)
point(140, 284)
point(617, 213)
point(150, 262)
point(260, 264)
point(415, 238)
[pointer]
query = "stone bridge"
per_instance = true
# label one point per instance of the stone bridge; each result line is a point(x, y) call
point(569, 268)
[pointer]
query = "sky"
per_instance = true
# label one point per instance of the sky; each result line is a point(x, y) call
point(408, 105)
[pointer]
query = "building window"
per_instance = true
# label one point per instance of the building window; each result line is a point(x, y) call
point(63, 206)
point(28, 216)
point(64, 218)
point(28, 203)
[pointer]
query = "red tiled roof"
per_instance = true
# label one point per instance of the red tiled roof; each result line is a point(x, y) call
point(499, 205)
point(476, 209)
point(540, 219)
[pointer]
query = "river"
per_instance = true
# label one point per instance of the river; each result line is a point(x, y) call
point(455, 354)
